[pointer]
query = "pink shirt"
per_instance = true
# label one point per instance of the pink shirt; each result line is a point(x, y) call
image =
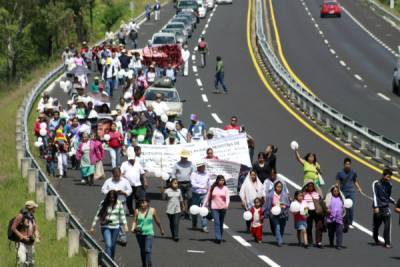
point(308, 198)
point(219, 199)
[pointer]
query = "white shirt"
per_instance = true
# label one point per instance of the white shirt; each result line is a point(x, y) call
point(160, 108)
point(122, 185)
point(132, 173)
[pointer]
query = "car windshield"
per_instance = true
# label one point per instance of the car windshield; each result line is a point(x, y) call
point(183, 20)
point(175, 26)
point(163, 40)
point(168, 96)
point(331, 3)
point(189, 4)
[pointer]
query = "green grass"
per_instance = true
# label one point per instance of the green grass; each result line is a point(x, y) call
point(386, 3)
point(13, 189)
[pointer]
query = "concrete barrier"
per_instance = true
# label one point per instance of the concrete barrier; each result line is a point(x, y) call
point(50, 207)
point(32, 177)
point(20, 155)
point(40, 192)
point(92, 259)
point(25, 165)
point(61, 225)
point(73, 242)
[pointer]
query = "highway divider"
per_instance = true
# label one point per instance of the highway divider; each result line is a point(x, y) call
point(374, 146)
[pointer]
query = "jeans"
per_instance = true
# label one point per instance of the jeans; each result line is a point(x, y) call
point(218, 216)
point(62, 163)
point(25, 255)
point(278, 224)
point(197, 199)
point(145, 243)
point(349, 212)
point(157, 15)
point(110, 83)
point(319, 225)
point(335, 228)
point(115, 155)
point(174, 224)
point(110, 236)
point(383, 216)
point(51, 167)
point(137, 193)
point(219, 79)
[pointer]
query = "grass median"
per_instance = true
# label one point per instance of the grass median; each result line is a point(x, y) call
point(13, 189)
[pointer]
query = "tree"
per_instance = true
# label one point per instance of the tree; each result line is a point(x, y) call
point(77, 7)
point(111, 16)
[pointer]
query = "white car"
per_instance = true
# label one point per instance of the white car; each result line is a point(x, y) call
point(210, 4)
point(202, 8)
point(224, 1)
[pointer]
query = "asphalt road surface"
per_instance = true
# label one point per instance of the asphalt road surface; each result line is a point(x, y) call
point(342, 63)
point(266, 120)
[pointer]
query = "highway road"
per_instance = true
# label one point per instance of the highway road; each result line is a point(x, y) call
point(226, 31)
point(346, 66)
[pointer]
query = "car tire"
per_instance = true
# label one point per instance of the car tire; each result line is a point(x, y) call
point(339, 15)
point(322, 16)
point(395, 88)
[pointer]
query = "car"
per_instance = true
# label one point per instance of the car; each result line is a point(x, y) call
point(202, 10)
point(189, 15)
point(187, 5)
point(179, 36)
point(178, 26)
point(186, 21)
point(166, 88)
point(330, 8)
point(224, 1)
point(396, 79)
point(210, 4)
point(163, 38)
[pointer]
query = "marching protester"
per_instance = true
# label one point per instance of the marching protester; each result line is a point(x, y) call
point(311, 167)
point(262, 169)
point(157, 8)
point(182, 171)
point(270, 156)
point(197, 130)
point(118, 184)
point(174, 207)
point(382, 191)
point(25, 232)
point(217, 200)
point(219, 76)
point(143, 227)
point(233, 127)
point(251, 189)
point(185, 58)
point(203, 50)
point(257, 218)
point(300, 218)
point(210, 154)
point(335, 213)
point(115, 145)
point(111, 215)
point(347, 181)
point(200, 182)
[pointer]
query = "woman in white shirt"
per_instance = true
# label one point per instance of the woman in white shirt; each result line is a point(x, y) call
point(181, 132)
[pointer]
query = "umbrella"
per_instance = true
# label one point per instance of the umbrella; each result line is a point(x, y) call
point(80, 70)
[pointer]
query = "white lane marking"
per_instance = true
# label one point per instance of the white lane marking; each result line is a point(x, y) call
point(209, 106)
point(194, 68)
point(391, 22)
point(203, 32)
point(241, 241)
point(195, 251)
point(348, 68)
point(268, 261)
point(225, 226)
point(199, 83)
point(321, 33)
point(201, 89)
point(332, 51)
point(205, 27)
point(316, 25)
point(342, 63)
point(383, 96)
point(216, 118)
point(358, 77)
point(368, 32)
point(357, 225)
point(312, 19)
point(204, 96)
point(326, 41)
point(193, 57)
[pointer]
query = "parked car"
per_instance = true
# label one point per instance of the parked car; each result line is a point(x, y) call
point(166, 88)
point(186, 5)
point(163, 38)
point(224, 1)
point(202, 9)
point(330, 8)
point(396, 79)
point(210, 4)
point(188, 23)
point(177, 26)
point(189, 15)
point(179, 36)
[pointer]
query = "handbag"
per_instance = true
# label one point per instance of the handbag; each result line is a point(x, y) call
point(99, 173)
point(320, 207)
point(321, 179)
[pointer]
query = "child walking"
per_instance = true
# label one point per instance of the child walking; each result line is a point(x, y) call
point(256, 220)
point(300, 219)
point(174, 206)
point(334, 202)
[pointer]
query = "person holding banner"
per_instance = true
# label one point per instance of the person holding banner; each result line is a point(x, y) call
point(197, 129)
point(251, 189)
point(218, 200)
point(200, 182)
point(181, 132)
point(182, 171)
point(210, 154)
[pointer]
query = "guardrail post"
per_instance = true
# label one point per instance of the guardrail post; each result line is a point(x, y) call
point(40, 192)
point(328, 123)
point(50, 207)
point(61, 225)
point(73, 242)
point(20, 155)
point(25, 165)
point(305, 105)
point(311, 111)
point(394, 162)
point(377, 153)
point(32, 175)
point(319, 117)
point(299, 101)
point(349, 137)
point(363, 144)
point(92, 259)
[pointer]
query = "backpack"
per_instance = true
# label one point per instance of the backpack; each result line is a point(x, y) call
point(10, 233)
point(202, 45)
point(133, 35)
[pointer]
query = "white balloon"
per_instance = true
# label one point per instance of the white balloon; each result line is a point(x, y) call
point(43, 125)
point(276, 210)
point(194, 209)
point(106, 137)
point(295, 207)
point(164, 118)
point(121, 74)
point(40, 139)
point(130, 74)
point(43, 132)
point(348, 203)
point(62, 85)
point(247, 216)
point(158, 174)
point(294, 145)
point(165, 176)
point(302, 210)
point(140, 138)
point(38, 144)
point(203, 212)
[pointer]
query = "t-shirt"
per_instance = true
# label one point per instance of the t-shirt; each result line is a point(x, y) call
point(196, 130)
point(182, 171)
point(132, 172)
point(310, 172)
point(262, 172)
point(347, 180)
point(174, 198)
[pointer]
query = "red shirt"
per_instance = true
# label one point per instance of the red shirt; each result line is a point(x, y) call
point(115, 139)
point(231, 127)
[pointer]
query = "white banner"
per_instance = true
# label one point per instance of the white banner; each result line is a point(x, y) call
point(161, 158)
point(230, 171)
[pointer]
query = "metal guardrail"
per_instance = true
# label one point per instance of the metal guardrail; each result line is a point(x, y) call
point(367, 141)
point(24, 112)
point(384, 11)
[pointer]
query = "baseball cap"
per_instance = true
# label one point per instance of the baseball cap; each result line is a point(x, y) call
point(193, 117)
point(31, 204)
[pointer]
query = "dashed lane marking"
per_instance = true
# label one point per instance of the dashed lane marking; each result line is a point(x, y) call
point(216, 118)
point(383, 96)
point(199, 83)
point(241, 241)
point(204, 97)
point(358, 77)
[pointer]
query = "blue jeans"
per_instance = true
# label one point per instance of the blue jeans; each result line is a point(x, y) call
point(349, 212)
point(219, 79)
point(110, 237)
point(218, 216)
point(197, 199)
point(278, 225)
point(110, 83)
point(146, 244)
point(115, 155)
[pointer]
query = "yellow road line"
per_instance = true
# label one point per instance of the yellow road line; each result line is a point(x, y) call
point(293, 113)
point(280, 52)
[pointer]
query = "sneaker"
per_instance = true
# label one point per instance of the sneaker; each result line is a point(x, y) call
point(83, 181)
point(204, 230)
point(387, 246)
point(351, 226)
